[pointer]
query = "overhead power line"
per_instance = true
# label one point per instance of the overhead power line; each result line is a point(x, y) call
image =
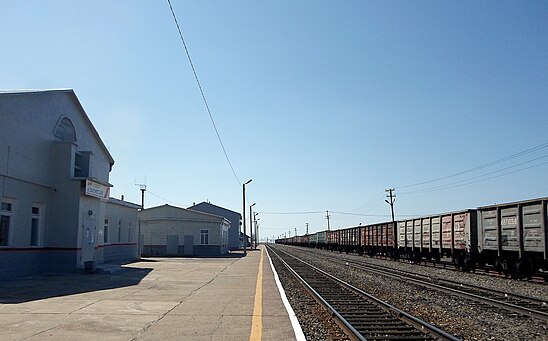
point(288, 213)
point(453, 185)
point(510, 157)
point(369, 204)
point(167, 200)
point(202, 92)
point(358, 214)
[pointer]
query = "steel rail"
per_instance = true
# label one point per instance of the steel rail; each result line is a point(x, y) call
point(396, 312)
point(341, 321)
point(541, 315)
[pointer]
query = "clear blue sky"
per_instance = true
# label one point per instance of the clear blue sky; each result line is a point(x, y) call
point(324, 104)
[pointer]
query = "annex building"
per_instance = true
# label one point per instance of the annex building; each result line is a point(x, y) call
point(235, 241)
point(55, 209)
point(173, 231)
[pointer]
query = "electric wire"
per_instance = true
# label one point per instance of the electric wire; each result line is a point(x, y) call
point(202, 92)
point(167, 200)
point(473, 182)
point(506, 158)
point(465, 182)
point(291, 213)
point(366, 205)
point(357, 214)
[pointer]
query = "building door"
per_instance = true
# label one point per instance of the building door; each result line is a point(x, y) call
point(189, 245)
point(172, 244)
point(88, 240)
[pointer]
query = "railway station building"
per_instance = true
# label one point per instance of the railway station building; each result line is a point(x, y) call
point(55, 209)
point(235, 218)
point(173, 231)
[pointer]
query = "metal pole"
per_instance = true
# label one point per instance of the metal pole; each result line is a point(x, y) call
point(250, 228)
point(251, 225)
point(243, 215)
point(256, 228)
point(392, 200)
point(143, 189)
point(139, 240)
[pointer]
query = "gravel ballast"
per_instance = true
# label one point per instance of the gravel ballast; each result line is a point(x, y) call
point(458, 316)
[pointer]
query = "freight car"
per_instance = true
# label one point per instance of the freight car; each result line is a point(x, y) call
point(513, 237)
point(452, 235)
point(378, 239)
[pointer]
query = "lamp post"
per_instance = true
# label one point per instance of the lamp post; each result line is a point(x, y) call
point(251, 225)
point(255, 220)
point(243, 215)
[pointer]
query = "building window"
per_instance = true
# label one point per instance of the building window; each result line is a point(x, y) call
point(105, 232)
point(36, 225)
point(82, 164)
point(64, 131)
point(119, 231)
point(204, 237)
point(5, 222)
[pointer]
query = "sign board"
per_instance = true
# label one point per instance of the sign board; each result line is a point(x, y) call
point(97, 190)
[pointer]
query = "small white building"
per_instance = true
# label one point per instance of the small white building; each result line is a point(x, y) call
point(174, 231)
point(54, 188)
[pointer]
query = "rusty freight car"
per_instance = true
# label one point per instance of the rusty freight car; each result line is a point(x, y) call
point(513, 236)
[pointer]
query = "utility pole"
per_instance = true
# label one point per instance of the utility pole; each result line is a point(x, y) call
point(251, 225)
point(392, 197)
point(255, 220)
point(243, 216)
point(327, 217)
point(143, 190)
point(392, 200)
point(306, 228)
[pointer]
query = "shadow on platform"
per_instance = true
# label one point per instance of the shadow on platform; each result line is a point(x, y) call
point(25, 289)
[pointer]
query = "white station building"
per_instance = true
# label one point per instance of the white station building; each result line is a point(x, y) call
point(55, 210)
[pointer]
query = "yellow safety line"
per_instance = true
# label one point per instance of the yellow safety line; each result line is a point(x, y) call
point(257, 323)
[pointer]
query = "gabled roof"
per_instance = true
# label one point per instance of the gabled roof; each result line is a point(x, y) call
point(203, 203)
point(112, 200)
point(71, 93)
point(177, 213)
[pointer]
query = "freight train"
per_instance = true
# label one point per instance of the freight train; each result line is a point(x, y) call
point(512, 237)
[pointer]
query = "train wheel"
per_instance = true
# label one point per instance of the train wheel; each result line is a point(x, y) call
point(523, 268)
point(499, 265)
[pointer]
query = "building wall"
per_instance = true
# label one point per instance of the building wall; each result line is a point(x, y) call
point(233, 217)
point(155, 232)
point(37, 169)
point(122, 227)
point(159, 225)
point(37, 114)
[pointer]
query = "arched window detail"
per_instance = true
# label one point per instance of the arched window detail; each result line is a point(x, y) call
point(64, 131)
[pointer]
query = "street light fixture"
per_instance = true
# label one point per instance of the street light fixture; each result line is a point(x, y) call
point(243, 215)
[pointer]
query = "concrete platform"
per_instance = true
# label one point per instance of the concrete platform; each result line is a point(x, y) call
point(155, 299)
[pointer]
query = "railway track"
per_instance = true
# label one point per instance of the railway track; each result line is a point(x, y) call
point(361, 315)
point(539, 277)
point(523, 305)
